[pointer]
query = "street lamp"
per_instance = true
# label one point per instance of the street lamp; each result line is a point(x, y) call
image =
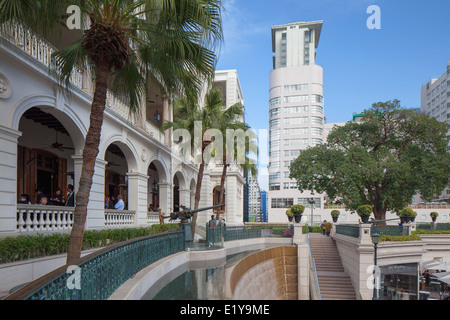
point(311, 202)
point(375, 240)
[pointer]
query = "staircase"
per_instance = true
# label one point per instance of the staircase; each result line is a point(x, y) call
point(334, 282)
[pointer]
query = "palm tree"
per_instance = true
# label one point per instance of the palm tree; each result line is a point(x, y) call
point(127, 44)
point(232, 119)
point(187, 113)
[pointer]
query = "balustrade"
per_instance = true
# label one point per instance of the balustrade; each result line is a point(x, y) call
point(119, 218)
point(32, 218)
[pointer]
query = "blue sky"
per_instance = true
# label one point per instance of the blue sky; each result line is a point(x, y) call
point(361, 66)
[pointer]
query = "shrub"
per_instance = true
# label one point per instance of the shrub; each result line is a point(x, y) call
point(289, 213)
point(297, 209)
point(28, 247)
point(364, 210)
point(335, 213)
point(386, 238)
point(407, 212)
point(434, 214)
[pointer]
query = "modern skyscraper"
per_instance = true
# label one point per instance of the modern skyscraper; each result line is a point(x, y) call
point(296, 107)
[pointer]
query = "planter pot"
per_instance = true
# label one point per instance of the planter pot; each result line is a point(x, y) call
point(365, 219)
point(412, 219)
point(291, 218)
point(404, 219)
point(298, 217)
point(433, 219)
point(335, 219)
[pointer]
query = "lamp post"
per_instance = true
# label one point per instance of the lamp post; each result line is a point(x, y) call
point(375, 240)
point(311, 202)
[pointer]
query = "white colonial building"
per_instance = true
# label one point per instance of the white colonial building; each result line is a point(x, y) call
point(42, 132)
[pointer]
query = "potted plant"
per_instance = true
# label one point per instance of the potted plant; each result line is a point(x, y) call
point(297, 211)
point(290, 215)
point(407, 215)
point(335, 215)
point(328, 226)
point(434, 216)
point(364, 212)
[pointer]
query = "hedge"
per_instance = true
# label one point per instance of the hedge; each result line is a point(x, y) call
point(387, 238)
point(21, 248)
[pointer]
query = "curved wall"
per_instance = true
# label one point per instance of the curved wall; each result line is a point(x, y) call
point(267, 275)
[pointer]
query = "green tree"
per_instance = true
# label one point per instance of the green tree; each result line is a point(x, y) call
point(232, 118)
point(383, 161)
point(127, 44)
point(187, 115)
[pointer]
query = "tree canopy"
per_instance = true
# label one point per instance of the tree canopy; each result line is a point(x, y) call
point(383, 160)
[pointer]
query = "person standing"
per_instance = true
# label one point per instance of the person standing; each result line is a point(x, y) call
point(70, 202)
point(120, 205)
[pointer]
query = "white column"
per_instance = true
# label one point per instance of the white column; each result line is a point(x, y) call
point(165, 191)
point(137, 196)
point(96, 207)
point(8, 178)
point(185, 197)
point(303, 262)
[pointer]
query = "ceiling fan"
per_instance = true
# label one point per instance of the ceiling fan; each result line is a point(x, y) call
point(59, 146)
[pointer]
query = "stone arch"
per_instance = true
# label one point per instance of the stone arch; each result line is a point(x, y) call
point(127, 149)
point(68, 118)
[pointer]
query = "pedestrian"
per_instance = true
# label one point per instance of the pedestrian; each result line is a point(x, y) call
point(39, 194)
point(212, 222)
point(322, 226)
point(120, 205)
point(70, 202)
point(58, 199)
point(427, 278)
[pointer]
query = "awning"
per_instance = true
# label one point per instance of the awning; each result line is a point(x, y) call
point(443, 276)
point(436, 265)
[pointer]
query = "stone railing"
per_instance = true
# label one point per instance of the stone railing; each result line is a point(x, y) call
point(152, 218)
point(119, 218)
point(31, 218)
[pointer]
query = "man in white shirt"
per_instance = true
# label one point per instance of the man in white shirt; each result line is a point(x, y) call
point(120, 205)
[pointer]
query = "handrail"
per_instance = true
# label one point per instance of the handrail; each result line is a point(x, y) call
point(312, 262)
point(102, 272)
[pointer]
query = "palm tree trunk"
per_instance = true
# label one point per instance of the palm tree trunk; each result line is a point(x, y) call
point(90, 153)
point(222, 187)
point(198, 190)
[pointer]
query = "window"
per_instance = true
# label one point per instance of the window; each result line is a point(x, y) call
point(316, 131)
point(274, 164)
point(316, 120)
point(275, 176)
point(316, 109)
point(274, 144)
point(304, 202)
point(282, 203)
point(274, 112)
point(274, 123)
point(316, 98)
point(275, 134)
point(315, 141)
point(296, 142)
point(295, 88)
point(274, 187)
point(298, 120)
point(295, 131)
point(275, 102)
point(296, 109)
point(295, 99)
point(275, 154)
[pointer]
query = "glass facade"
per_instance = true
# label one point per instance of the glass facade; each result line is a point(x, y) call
point(399, 282)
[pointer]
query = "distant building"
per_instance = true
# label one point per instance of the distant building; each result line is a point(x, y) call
point(254, 199)
point(264, 205)
point(435, 102)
